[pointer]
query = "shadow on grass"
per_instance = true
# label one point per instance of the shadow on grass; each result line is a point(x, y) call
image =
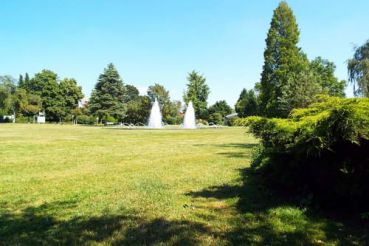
point(232, 154)
point(33, 226)
point(265, 219)
point(230, 145)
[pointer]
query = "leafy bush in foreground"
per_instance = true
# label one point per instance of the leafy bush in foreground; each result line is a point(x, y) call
point(321, 152)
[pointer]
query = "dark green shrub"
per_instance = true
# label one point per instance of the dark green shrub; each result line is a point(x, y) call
point(23, 119)
point(86, 120)
point(216, 118)
point(110, 119)
point(321, 151)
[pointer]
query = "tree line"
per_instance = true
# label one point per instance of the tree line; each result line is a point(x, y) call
point(111, 100)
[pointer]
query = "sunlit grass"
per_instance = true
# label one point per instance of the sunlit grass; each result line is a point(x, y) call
point(87, 185)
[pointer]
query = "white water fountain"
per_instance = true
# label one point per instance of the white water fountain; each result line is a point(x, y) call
point(189, 121)
point(155, 116)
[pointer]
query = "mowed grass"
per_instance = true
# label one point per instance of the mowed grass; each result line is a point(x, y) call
point(75, 185)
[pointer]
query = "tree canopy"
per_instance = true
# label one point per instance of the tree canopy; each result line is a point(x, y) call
point(324, 73)
point(358, 70)
point(132, 92)
point(247, 104)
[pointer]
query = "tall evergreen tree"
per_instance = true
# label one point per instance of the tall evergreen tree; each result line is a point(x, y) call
point(197, 92)
point(26, 81)
point(284, 63)
point(20, 81)
point(109, 96)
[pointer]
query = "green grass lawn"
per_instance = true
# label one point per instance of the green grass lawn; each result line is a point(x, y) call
point(90, 185)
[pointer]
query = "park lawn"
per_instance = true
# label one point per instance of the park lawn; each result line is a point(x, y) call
point(62, 184)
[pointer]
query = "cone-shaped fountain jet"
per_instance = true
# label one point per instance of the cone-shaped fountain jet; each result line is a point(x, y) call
point(189, 121)
point(155, 116)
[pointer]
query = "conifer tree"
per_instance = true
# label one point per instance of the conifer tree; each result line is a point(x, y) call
point(109, 96)
point(284, 65)
point(20, 81)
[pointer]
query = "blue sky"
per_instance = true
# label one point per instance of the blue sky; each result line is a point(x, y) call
point(161, 41)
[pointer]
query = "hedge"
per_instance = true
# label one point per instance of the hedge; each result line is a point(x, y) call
point(320, 152)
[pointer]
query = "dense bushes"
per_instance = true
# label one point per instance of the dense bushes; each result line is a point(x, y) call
point(86, 120)
point(320, 152)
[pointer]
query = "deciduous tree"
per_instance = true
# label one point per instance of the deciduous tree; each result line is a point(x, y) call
point(358, 69)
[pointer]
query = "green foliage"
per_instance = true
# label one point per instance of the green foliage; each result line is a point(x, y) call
point(109, 96)
point(109, 119)
point(169, 109)
point(7, 95)
point(320, 150)
point(358, 68)
point(288, 79)
point(216, 118)
point(221, 107)
point(283, 62)
point(72, 94)
point(247, 104)
point(86, 120)
point(159, 93)
point(197, 92)
point(218, 111)
point(138, 110)
point(58, 98)
point(45, 84)
point(132, 92)
point(324, 73)
point(20, 81)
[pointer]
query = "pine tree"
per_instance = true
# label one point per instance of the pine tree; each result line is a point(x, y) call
point(197, 92)
point(26, 82)
point(20, 81)
point(284, 63)
point(109, 96)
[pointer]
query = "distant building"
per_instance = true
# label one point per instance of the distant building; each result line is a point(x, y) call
point(9, 118)
point(83, 103)
point(41, 119)
point(227, 118)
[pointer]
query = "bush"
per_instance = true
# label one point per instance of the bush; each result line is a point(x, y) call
point(202, 122)
point(232, 121)
point(320, 152)
point(110, 119)
point(216, 118)
point(23, 119)
point(86, 120)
